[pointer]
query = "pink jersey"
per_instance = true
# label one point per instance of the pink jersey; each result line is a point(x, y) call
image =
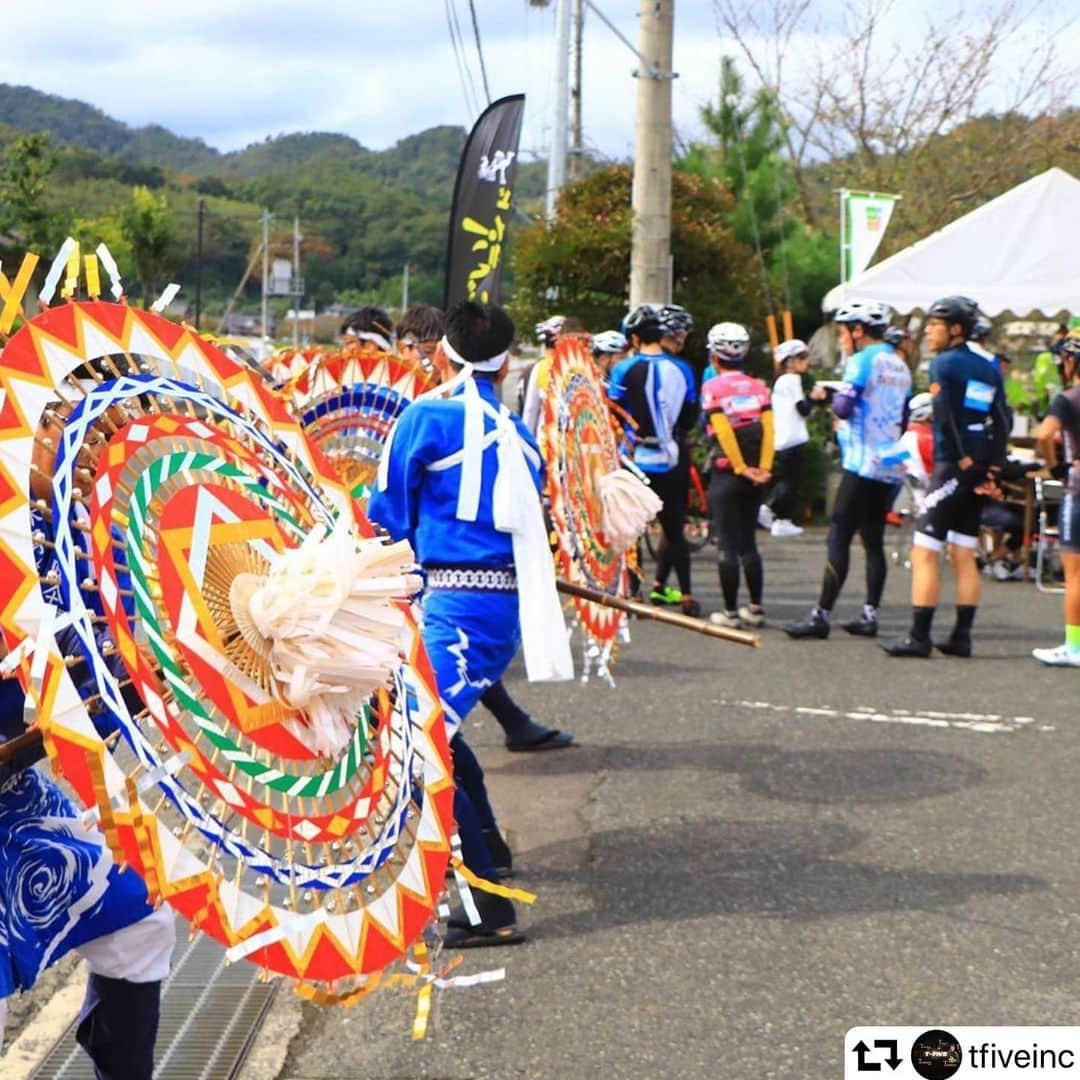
point(742, 399)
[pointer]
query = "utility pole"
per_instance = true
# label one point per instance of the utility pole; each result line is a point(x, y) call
point(265, 274)
point(557, 157)
point(199, 263)
point(576, 136)
point(298, 292)
point(405, 289)
point(650, 259)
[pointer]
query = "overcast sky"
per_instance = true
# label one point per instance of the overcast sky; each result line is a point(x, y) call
point(234, 71)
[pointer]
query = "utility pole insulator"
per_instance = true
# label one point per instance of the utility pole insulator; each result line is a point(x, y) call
point(650, 260)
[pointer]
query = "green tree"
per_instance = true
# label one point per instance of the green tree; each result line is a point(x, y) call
point(745, 150)
point(580, 263)
point(147, 225)
point(25, 204)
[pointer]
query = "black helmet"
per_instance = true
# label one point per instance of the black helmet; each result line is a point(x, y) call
point(981, 329)
point(675, 319)
point(961, 310)
point(896, 335)
point(644, 315)
point(1070, 347)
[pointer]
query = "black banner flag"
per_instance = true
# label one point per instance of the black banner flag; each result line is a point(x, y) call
point(480, 213)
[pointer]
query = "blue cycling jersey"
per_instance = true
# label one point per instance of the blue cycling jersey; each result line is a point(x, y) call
point(660, 392)
point(870, 438)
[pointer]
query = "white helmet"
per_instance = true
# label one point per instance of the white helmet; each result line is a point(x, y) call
point(868, 312)
point(548, 330)
point(728, 340)
point(610, 341)
point(786, 350)
point(921, 408)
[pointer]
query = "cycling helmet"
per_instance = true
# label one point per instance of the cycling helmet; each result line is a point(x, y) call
point(896, 335)
point(675, 319)
point(1070, 346)
point(610, 341)
point(981, 328)
point(643, 315)
point(786, 350)
point(955, 309)
point(869, 313)
point(921, 408)
point(729, 341)
point(548, 330)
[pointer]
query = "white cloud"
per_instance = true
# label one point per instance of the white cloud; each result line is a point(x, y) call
point(235, 71)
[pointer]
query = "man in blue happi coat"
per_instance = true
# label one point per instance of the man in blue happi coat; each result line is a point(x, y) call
point(460, 479)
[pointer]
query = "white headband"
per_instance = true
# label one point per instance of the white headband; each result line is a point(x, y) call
point(370, 335)
point(493, 364)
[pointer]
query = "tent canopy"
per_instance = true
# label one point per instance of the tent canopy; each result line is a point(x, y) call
point(1019, 253)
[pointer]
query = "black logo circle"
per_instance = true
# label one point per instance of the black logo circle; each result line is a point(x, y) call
point(936, 1055)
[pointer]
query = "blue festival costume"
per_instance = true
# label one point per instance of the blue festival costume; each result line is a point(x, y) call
point(453, 472)
point(61, 890)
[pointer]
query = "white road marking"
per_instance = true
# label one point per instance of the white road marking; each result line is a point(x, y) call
point(984, 723)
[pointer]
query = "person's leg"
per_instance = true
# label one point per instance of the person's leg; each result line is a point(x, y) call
point(749, 556)
point(666, 488)
point(1068, 654)
point(521, 730)
point(722, 506)
point(785, 494)
point(678, 551)
point(941, 510)
point(119, 1019)
point(845, 521)
point(878, 497)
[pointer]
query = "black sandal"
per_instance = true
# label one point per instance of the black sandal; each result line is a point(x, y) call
point(477, 937)
point(549, 739)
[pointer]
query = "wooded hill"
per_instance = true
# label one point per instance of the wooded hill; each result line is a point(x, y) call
point(364, 213)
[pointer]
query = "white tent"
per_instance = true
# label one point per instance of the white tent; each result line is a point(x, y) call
point(1020, 253)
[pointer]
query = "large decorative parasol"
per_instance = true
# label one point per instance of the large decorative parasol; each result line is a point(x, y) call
point(173, 550)
point(349, 399)
point(599, 508)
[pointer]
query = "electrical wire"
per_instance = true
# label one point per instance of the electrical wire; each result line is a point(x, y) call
point(464, 74)
point(479, 49)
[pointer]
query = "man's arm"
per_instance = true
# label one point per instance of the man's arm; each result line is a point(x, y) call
point(396, 508)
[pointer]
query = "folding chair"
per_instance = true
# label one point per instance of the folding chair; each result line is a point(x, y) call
point(1048, 494)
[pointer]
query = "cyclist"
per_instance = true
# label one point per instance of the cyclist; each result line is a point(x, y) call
point(971, 426)
point(871, 409)
point(739, 425)
point(790, 407)
point(1063, 421)
point(659, 392)
point(608, 348)
point(675, 323)
point(531, 385)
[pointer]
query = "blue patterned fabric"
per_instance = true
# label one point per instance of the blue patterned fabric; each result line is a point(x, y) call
point(59, 886)
point(470, 638)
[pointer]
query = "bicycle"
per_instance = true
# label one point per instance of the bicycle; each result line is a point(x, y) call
point(698, 524)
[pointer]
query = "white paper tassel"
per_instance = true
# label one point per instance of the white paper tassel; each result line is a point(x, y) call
point(628, 507)
point(326, 610)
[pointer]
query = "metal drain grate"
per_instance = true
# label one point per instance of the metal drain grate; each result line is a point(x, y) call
point(209, 1015)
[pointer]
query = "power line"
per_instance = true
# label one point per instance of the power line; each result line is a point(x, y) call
point(459, 46)
point(479, 49)
point(464, 75)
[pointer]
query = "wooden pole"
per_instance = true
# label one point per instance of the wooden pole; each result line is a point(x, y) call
point(650, 258)
point(648, 611)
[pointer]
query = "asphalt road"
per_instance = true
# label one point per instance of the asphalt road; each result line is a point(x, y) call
point(750, 852)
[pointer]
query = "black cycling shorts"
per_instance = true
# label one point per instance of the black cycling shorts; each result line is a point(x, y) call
point(1069, 524)
point(952, 512)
